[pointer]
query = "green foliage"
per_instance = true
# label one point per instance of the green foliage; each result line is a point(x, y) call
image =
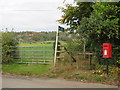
point(8, 42)
point(96, 23)
point(73, 46)
point(67, 77)
point(118, 61)
point(73, 14)
point(103, 26)
point(97, 78)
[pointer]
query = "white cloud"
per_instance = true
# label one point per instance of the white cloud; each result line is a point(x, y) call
point(30, 14)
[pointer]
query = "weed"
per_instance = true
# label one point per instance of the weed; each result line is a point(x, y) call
point(80, 77)
point(97, 78)
point(67, 76)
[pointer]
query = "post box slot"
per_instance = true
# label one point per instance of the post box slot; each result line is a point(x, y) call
point(105, 46)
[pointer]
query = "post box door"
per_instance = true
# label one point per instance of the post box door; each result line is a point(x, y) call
point(107, 50)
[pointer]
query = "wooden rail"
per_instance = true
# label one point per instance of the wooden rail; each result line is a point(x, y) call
point(86, 53)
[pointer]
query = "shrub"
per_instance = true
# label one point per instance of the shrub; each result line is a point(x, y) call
point(8, 42)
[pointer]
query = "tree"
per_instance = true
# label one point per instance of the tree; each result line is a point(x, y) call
point(72, 15)
point(102, 26)
point(96, 23)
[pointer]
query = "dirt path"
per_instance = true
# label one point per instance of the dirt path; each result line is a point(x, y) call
point(27, 82)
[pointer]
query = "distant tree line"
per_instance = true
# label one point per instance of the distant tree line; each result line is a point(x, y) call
point(31, 37)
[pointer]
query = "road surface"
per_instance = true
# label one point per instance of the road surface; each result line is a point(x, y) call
point(27, 82)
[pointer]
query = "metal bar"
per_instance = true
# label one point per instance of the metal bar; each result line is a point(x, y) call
point(30, 60)
point(34, 62)
point(33, 54)
point(34, 50)
point(31, 46)
point(35, 57)
point(44, 53)
point(107, 67)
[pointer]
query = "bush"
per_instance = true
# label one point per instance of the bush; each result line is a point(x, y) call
point(8, 42)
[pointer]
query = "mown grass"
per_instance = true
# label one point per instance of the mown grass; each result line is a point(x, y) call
point(26, 69)
point(45, 43)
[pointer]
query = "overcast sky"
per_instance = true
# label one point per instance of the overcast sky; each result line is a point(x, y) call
point(30, 15)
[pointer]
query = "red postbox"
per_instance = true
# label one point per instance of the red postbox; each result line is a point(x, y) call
point(107, 50)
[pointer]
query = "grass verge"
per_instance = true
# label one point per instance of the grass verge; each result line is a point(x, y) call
point(69, 71)
point(25, 69)
point(66, 71)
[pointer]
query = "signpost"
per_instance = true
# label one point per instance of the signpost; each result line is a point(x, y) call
point(56, 42)
point(107, 53)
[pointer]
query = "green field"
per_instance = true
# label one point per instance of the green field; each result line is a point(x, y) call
point(45, 43)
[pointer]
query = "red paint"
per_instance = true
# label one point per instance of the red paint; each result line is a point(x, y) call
point(107, 50)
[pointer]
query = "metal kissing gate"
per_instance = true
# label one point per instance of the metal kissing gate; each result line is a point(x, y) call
point(35, 54)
